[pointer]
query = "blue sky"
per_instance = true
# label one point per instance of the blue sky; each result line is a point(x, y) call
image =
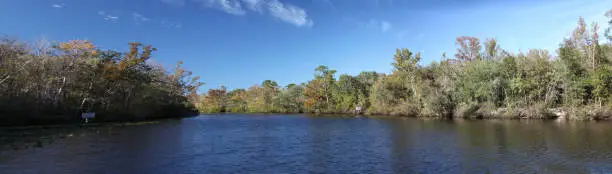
point(238, 43)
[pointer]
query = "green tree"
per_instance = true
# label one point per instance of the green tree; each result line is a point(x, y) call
point(492, 49)
point(237, 101)
point(291, 99)
point(319, 91)
point(601, 80)
point(350, 93)
point(405, 68)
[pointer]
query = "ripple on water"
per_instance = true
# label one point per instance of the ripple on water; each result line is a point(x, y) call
point(301, 144)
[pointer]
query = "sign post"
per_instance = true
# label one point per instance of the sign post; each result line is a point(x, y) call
point(88, 115)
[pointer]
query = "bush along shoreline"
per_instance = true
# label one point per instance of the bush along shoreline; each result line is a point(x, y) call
point(53, 83)
point(481, 80)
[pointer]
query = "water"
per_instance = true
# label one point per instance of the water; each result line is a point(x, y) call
point(302, 144)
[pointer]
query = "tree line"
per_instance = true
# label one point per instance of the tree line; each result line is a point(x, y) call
point(45, 83)
point(480, 80)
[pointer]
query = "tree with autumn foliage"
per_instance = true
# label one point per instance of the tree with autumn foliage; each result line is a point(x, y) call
point(43, 84)
point(319, 91)
point(216, 100)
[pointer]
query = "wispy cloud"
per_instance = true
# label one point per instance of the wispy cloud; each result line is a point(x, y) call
point(289, 13)
point(254, 5)
point(138, 18)
point(284, 12)
point(108, 17)
point(62, 5)
point(174, 2)
point(229, 6)
point(111, 18)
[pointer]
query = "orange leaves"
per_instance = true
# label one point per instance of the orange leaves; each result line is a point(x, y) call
point(138, 55)
point(78, 47)
point(239, 96)
point(469, 48)
point(315, 95)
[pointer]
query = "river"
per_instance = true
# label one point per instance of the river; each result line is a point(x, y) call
point(236, 143)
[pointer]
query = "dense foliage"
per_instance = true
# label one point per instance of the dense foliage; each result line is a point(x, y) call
point(45, 83)
point(482, 80)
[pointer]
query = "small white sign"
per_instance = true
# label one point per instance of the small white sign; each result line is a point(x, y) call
point(358, 108)
point(88, 115)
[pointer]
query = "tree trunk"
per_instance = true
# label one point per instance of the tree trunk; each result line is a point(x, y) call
point(86, 97)
point(326, 96)
point(59, 92)
point(600, 102)
point(82, 103)
point(127, 100)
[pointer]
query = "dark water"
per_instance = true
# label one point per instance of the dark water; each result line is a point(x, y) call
point(301, 144)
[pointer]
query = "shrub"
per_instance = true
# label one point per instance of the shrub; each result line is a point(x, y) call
point(467, 110)
point(538, 111)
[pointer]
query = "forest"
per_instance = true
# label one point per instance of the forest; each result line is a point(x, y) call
point(54, 82)
point(481, 80)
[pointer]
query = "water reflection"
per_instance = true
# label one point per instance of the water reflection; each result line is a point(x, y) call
point(302, 144)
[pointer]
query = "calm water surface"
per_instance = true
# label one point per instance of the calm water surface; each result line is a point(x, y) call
point(303, 144)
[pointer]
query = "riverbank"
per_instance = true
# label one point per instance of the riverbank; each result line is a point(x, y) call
point(75, 121)
point(534, 112)
point(537, 112)
point(96, 124)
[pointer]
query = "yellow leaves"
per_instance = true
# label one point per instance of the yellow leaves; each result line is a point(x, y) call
point(78, 47)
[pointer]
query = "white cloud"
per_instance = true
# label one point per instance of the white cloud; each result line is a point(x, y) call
point(174, 2)
point(58, 5)
point(289, 13)
point(229, 6)
point(111, 18)
point(283, 11)
point(108, 17)
point(140, 18)
point(254, 5)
